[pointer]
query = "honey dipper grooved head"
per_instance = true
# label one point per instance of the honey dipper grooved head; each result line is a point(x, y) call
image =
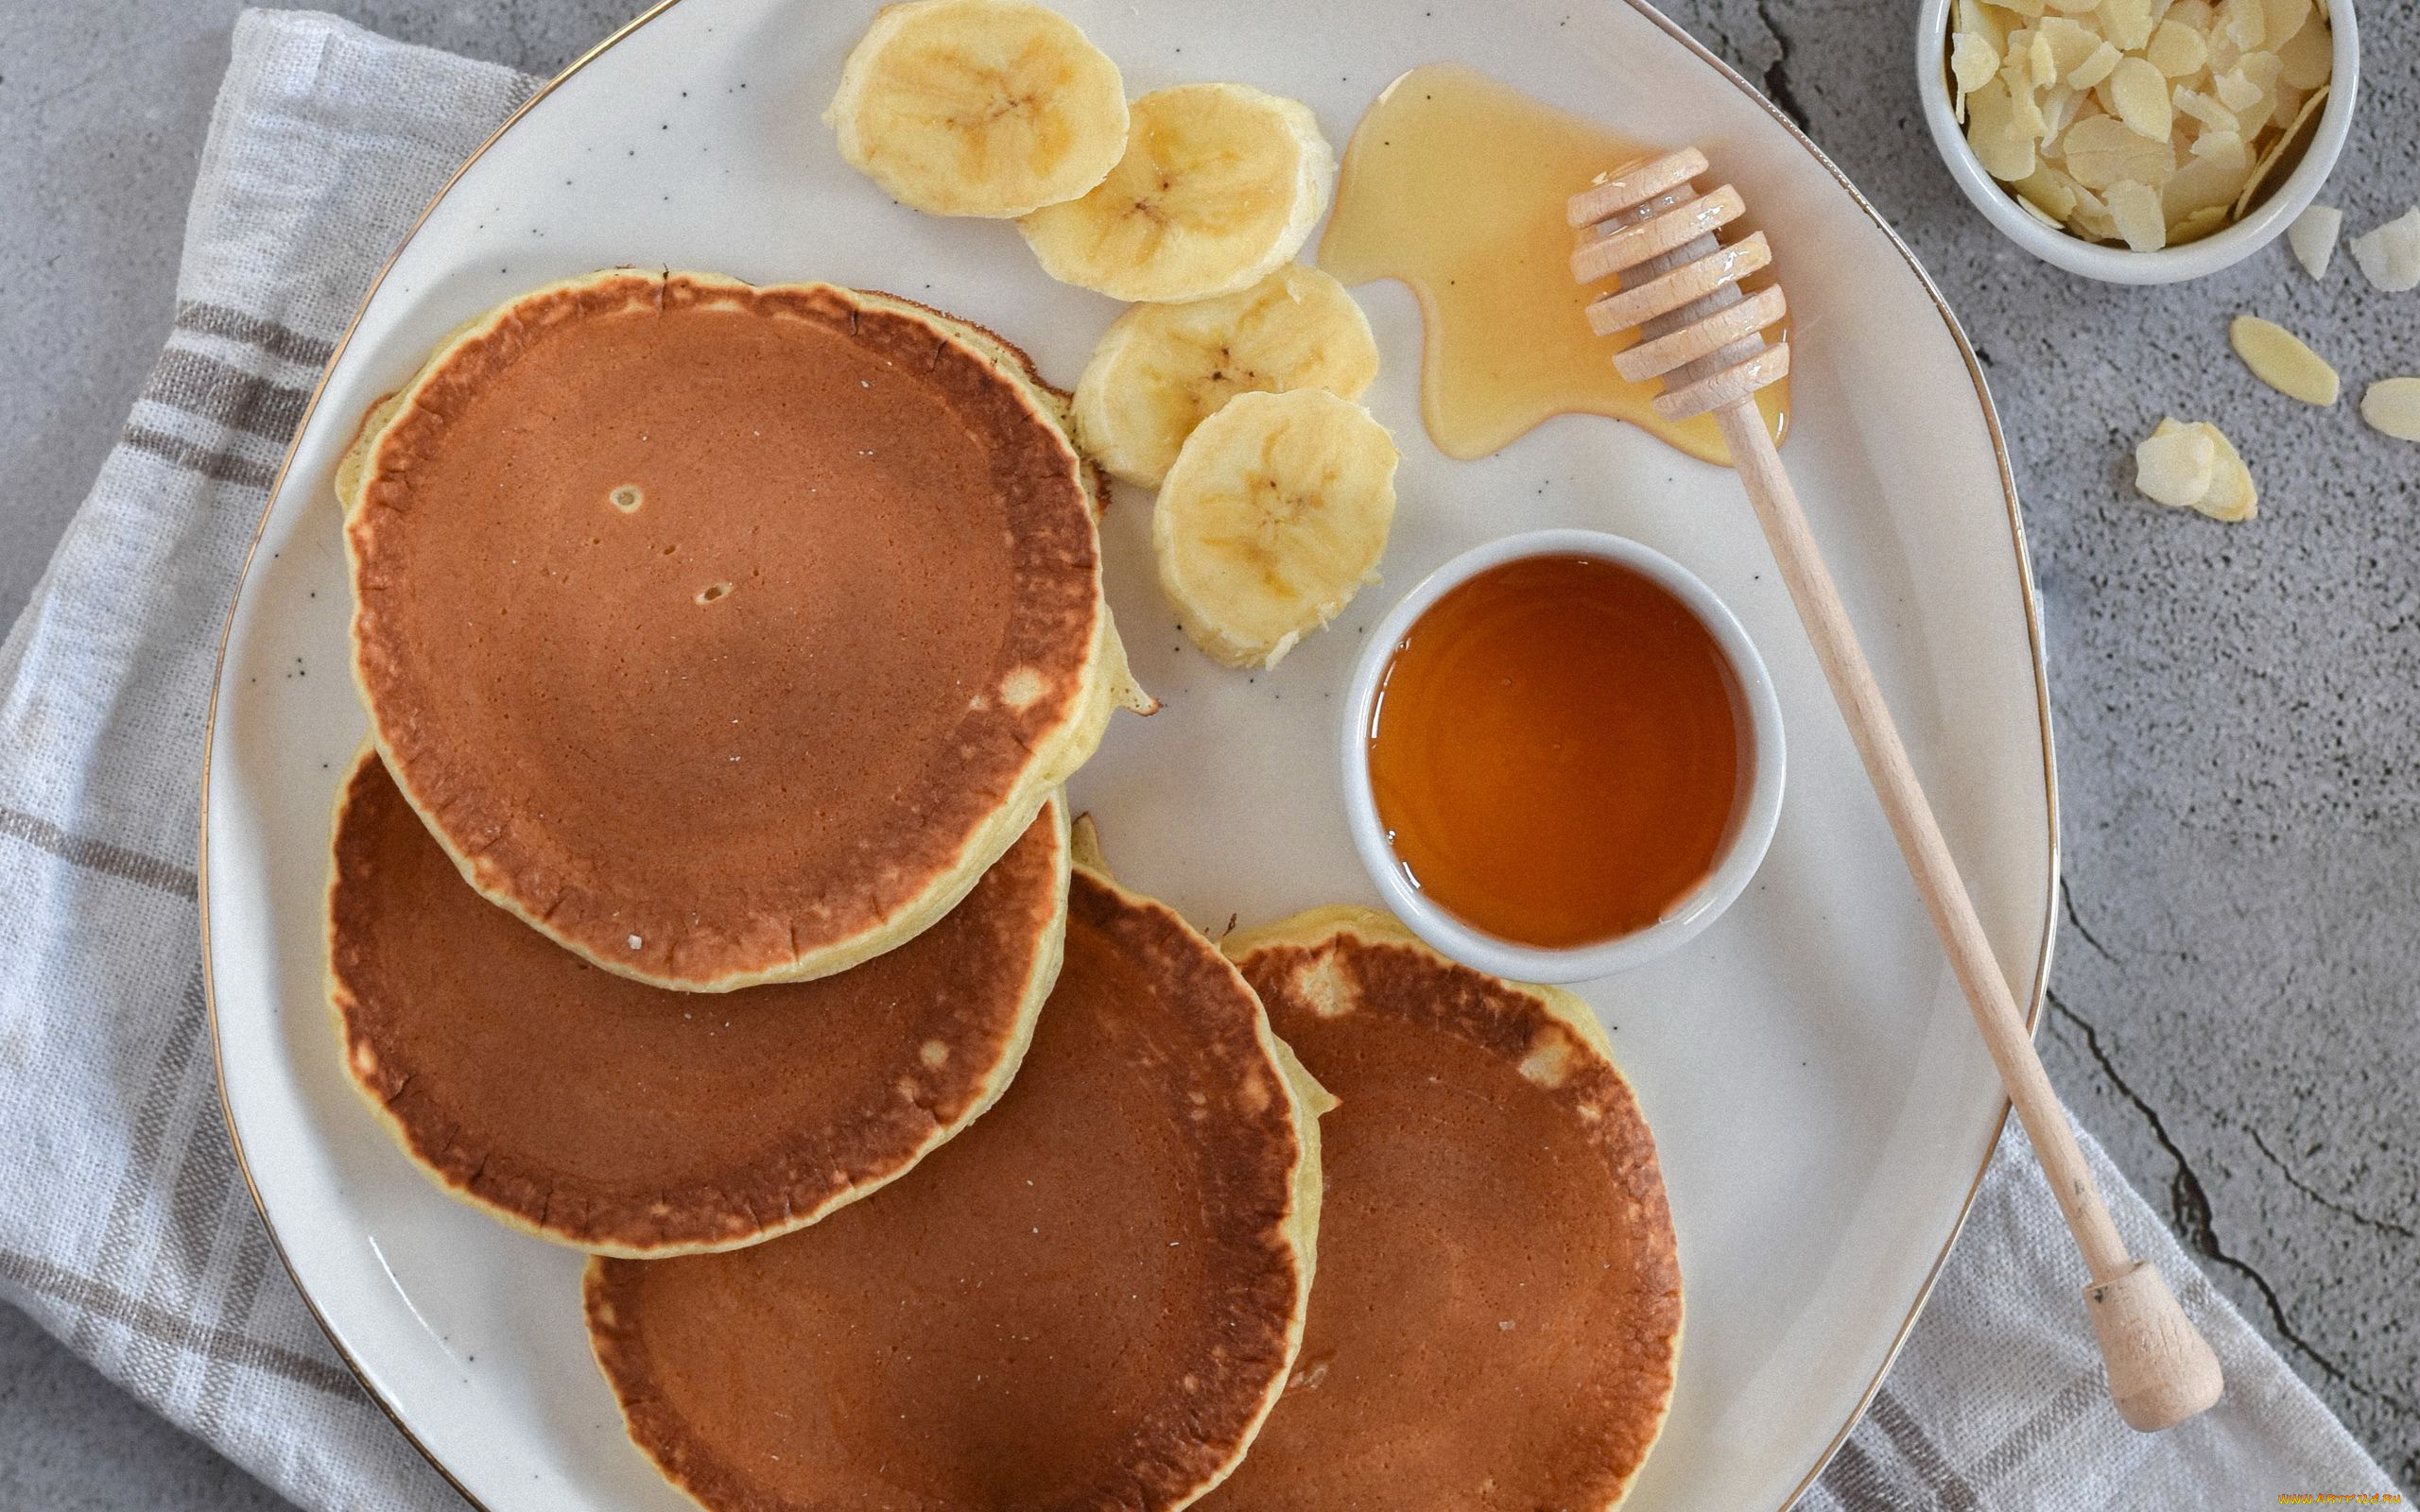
point(1679, 284)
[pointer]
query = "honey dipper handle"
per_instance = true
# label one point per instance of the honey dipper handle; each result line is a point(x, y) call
point(2161, 1371)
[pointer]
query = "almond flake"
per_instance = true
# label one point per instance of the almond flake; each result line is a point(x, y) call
point(2103, 150)
point(1972, 61)
point(2006, 154)
point(2126, 23)
point(2279, 358)
point(2283, 19)
point(2276, 150)
point(2213, 115)
point(2392, 406)
point(2388, 257)
point(2175, 465)
point(2313, 237)
point(2095, 68)
point(2136, 208)
point(2236, 90)
point(2177, 50)
point(2139, 91)
point(2309, 57)
point(2246, 23)
point(2232, 495)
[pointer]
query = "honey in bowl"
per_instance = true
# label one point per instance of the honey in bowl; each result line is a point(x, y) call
point(1556, 752)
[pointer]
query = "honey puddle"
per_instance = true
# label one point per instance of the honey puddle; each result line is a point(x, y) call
point(1454, 183)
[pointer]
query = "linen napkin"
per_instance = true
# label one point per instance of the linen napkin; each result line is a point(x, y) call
point(125, 1229)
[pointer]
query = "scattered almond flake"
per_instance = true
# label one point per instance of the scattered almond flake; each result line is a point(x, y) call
point(2023, 7)
point(2232, 495)
point(2139, 91)
point(2388, 257)
point(2280, 359)
point(2097, 67)
point(2136, 208)
point(2246, 23)
point(1972, 61)
point(2175, 465)
point(2224, 145)
point(2074, 7)
point(2039, 214)
point(2194, 13)
point(2176, 50)
point(2392, 406)
point(2313, 237)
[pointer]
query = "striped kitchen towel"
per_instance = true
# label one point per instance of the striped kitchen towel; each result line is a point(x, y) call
point(125, 1228)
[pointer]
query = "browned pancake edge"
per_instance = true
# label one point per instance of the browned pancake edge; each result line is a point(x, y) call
point(1498, 1313)
point(1028, 721)
point(625, 1118)
point(1090, 1299)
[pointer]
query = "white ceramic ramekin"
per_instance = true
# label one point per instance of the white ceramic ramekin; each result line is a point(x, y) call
point(1743, 849)
point(2224, 248)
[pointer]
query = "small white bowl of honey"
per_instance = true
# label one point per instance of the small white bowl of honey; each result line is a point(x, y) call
point(1561, 756)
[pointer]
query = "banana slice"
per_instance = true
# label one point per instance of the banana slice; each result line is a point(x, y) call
point(1273, 518)
point(1220, 185)
point(978, 106)
point(1161, 368)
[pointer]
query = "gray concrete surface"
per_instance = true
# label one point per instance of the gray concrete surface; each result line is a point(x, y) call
point(2236, 1011)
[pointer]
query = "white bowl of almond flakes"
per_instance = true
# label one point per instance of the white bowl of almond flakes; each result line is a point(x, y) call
point(2138, 141)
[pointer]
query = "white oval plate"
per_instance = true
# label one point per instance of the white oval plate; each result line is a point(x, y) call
point(1823, 1106)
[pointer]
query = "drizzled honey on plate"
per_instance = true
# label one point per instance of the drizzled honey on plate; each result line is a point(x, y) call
point(1556, 752)
point(1456, 183)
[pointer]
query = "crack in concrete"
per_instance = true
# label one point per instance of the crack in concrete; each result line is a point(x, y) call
point(2190, 1216)
point(2067, 904)
point(2334, 1205)
point(1778, 87)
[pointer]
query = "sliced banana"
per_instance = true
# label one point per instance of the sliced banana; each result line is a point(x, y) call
point(1220, 185)
point(1161, 368)
point(978, 106)
point(1273, 516)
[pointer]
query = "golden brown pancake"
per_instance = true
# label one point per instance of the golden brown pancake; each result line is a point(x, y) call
point(1088, 1301)
point(724, 633)
point(1498, 1312)
point(620, 1117)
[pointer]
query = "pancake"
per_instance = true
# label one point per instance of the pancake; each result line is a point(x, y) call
point(1498, 1313)
point(1090, 1299)
point(615, 1116)
point(725, 634)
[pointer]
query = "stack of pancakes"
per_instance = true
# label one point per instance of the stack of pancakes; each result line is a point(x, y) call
point(706, 902)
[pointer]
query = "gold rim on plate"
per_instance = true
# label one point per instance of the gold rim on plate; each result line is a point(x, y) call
point(2029, 597)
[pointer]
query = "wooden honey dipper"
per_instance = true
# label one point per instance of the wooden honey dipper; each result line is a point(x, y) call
point(1680, 286)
